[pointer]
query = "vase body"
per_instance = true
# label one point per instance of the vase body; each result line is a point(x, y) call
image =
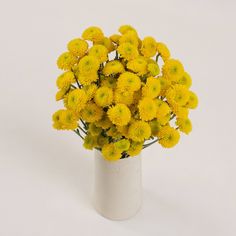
point(117, 190)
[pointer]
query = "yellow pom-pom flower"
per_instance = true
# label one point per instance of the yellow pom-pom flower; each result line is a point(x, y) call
point(163, 50)
point(111, 152)
point(104, 122)
point(60, 94)
point(128, 81)
point(173, 70)
point(103, 96)
point(168, 137)
point(155, 126)
point(192, 102)
point(129, 37)
point(178, 94)
point(108, 44)
point(128, 51)
point(126, 28)
point(115, 38)
point(162, 108)
point(147, 109)
point(65, 80)
point(113, 67)
point(78, 47)
point(77, 100)
point(122, 145)
point(152, 88)
point(185, 80)
point(153, 69)
point(139, 131)
point(94, 130)
point(66, 61)
point(119, 114)
point(109, 82)
point(184, 125)
point(138, 65)
point(180, 112)
point(87, 79)
point(99, 51)
point(148, 48)
point(165, 85)
point(135, 148)
point(92, 112)
point(90, 90)
point(125, 97)
point(93, 34)
point(90, 142)
point(88, 64)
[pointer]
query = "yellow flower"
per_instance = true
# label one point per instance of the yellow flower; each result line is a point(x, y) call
point(184, 125)
point(92, 112)
point(128, 81)
point(119, 114)
point(110, 152)
point(78, 47)
point(180, 112)
point(104, 123)
point(155, 126)
point(60, 94)
point(152, 88)
point(173, 70)
point(125, 97)
point(128, 51)
point(192, 102)
point(129, 37)
point(115, 38)
point(178, 94)
point(113, 67)
point(163, 50)
point(162, 108)
point(113, 132)
point(66, 61)
point(88, 64)
point(163, 120)
point(87, 79)
point(185, 80)
point(90, 142)
point(168, 137)
point(94, 130)
point(147, 109)
point(93, 34)
point(153, 69)
point(126, 28)
point(139, 131)
point(138, 65)
point(103, 96)
point(65, 80)
point(109, 82)
point(135, 148)
point(77, 100)
point(101, 140)
point(122, 145)
point(90, 90)
point(123, 130)
point(99, 51)
point(108, 44)
point(148, 48)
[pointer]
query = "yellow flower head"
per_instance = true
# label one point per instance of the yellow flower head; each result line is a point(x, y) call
point(66, 61)
point(138, 65)
point(125, 97)
point(168, 137)
point(192, 102)
point(173, 70)
point(88, 64)
point(90, 142)
point(155, 126)
point(135, 148)
point(99, 51)
point(103, 96)
point(163, 50)
point(152, 88)
point(128, 51)
point(108, 44)
point(110, 152)
point(78, 47)
point(92, 112)
point(184, 125)
point(113, 67)
point(109, 82)
point(60, 94)
point(119, 114)
point(93, 34)
point(128, 81)
point(139, 131)
point(178, 94)
point(165, 85)
point(153, 69)
point(148, 48)
point(163, 120)
point(115, 38)
point(122, 145)
point(185, 80)
point(65, 80)
point(90, 90)
point(129, 37)
point(162, 108)
point(104, 122)
point(147, 109)
point(101, 140)
point(77, 100)
point(87, 79)
point(180, 112)
point(94, 130)
point(113, 132)
point(126, 28)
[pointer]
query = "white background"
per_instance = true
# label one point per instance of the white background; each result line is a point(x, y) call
point(46, 176)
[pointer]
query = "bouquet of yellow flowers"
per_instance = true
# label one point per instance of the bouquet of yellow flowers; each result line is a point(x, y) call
point(116, 97)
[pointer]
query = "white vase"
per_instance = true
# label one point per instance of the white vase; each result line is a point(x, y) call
point(117, 190)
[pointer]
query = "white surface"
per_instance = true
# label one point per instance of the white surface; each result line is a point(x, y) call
point(46, 176)
point(117, 188)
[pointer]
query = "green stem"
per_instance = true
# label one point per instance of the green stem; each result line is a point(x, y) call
point(84, 124)
point(82, 130)
point(78, 82)
point(78, 133)
point(157, 56)
point(149, 144)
